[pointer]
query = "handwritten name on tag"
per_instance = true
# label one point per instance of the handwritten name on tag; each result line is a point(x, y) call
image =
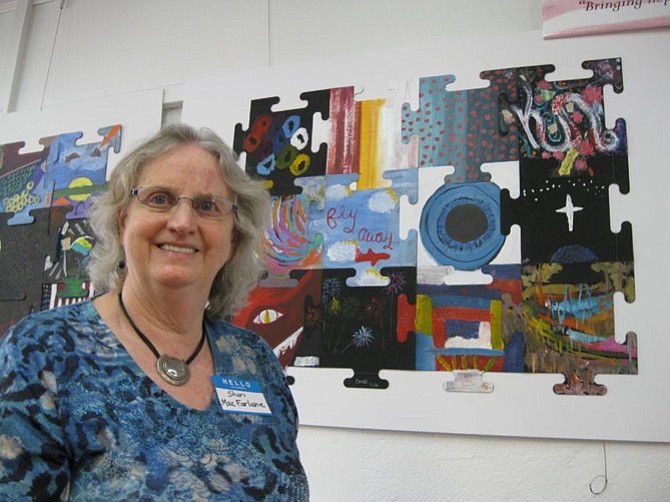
point(240, 396)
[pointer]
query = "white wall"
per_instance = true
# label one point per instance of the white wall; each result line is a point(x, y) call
point(103, 48)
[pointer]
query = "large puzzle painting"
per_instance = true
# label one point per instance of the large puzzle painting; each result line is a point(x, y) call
point(386, 239)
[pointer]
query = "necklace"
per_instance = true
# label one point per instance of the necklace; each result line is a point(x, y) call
point(174, 371)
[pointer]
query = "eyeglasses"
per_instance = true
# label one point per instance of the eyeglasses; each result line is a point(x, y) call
point(163, 199)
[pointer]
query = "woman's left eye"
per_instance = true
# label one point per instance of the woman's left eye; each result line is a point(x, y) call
point(207, 205)
point(159, 199)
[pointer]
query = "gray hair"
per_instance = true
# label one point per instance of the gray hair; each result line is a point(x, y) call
point(240, 274)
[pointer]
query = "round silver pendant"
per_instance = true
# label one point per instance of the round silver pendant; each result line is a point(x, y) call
point(174, 371)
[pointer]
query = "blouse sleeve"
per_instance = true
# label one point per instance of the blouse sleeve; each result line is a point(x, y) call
point(33, 456)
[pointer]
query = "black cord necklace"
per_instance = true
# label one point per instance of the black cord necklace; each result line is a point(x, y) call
point(174, 371)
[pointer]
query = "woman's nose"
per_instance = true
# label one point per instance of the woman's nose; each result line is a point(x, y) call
point(183, 215)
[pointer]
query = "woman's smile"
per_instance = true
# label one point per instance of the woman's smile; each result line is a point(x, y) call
point(177, 249)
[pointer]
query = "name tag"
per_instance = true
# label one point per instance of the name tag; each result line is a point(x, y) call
point(240, 396)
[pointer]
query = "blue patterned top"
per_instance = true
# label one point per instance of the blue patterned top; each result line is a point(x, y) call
point(80, 420)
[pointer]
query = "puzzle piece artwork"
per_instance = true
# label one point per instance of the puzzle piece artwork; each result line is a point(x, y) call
point(460, 128)
point(374, 265)
point(44, 235)
point(23, 252)
point(278, 144)
point(356, 327)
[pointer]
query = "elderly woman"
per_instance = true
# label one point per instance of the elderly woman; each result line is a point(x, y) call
point(145, 392)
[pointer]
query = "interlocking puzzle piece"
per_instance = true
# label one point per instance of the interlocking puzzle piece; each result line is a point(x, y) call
point(364, 137)
point(357, 327)
point(278, 144)
point(67, 174)
point(460, 128)
point(569, 326)
point(565, 119)
point(289, 243)
point(67, 268)
point(11, 160)
point(360, 229)
point(277, 314)
point(567, 218)
point(23, 249)
point(462, 329)
point(21, 175)
point(78, 171)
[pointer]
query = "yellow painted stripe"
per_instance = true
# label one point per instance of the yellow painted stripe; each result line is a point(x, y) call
point(370, 168)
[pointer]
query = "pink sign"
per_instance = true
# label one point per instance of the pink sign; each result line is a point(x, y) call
point(568, 18)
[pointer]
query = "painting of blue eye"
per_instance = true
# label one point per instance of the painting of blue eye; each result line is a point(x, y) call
point(460, 225)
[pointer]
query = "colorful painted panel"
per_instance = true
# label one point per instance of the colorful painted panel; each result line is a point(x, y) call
point(394, 250)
